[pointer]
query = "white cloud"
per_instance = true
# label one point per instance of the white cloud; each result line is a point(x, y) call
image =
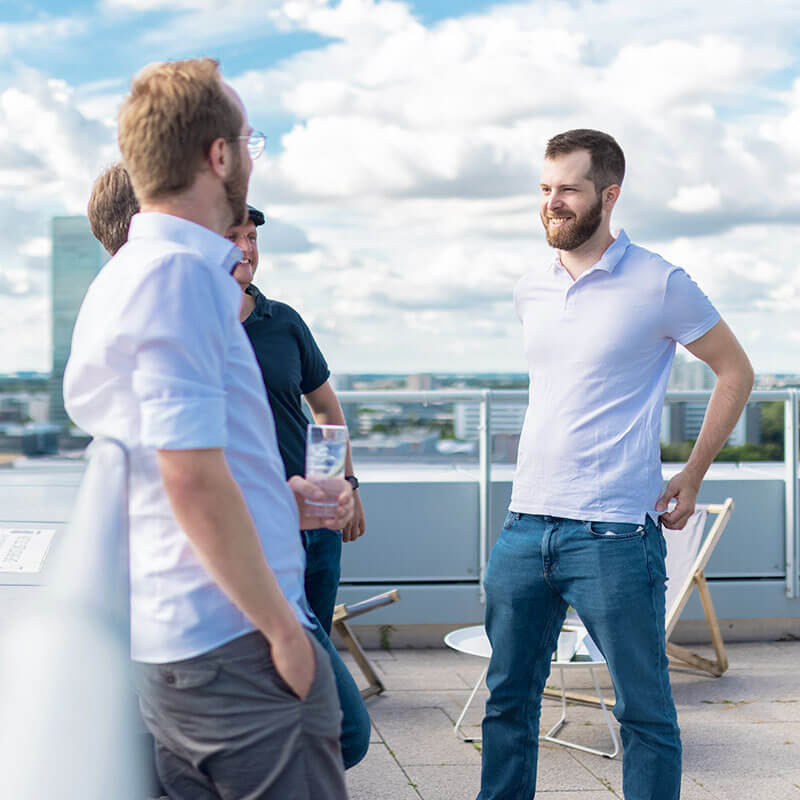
point(37, 247)
point(403, 195)
point(694, 199)
point(20, 36)
point(59, 151)
point(30, 315)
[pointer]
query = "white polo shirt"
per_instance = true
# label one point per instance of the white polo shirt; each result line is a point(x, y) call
point(599, 351)
point(160, 360)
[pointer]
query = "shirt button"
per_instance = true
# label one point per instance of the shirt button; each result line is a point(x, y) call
point(169, 677)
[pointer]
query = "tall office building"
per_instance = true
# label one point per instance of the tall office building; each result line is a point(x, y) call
point(682, 421)
point(76, 258)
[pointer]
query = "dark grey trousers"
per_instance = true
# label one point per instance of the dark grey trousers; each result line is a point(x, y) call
point(227, 726)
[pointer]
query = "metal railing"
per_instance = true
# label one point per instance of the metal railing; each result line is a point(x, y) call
point(485, 398)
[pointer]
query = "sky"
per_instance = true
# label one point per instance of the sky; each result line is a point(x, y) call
point(405, 141)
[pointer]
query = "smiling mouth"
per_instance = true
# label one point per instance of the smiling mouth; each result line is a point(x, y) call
point(558, 221)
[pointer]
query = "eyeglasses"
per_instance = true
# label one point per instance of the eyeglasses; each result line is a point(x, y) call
point(255, 143)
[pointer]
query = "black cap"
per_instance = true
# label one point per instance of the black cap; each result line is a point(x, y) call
point(256, 215)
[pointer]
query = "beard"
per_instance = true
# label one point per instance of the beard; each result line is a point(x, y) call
point(236, 191)
point(577, 231)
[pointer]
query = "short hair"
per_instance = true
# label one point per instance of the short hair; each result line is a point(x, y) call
point(174, 112)
point(608, 160)
point(111, 206)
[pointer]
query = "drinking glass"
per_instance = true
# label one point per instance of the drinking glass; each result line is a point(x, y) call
point(326, 448)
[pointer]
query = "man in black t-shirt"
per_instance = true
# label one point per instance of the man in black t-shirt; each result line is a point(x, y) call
point(293, 367)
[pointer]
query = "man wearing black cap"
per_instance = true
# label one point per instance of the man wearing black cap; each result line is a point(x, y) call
point(293, 367)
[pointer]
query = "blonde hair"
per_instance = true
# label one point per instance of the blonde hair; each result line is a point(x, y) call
point(174, 111)
point(111, 206)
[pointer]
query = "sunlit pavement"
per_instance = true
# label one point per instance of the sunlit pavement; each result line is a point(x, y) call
point(741, 732)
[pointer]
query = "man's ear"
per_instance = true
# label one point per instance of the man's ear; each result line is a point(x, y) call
point(611, 195)
point(219, 157)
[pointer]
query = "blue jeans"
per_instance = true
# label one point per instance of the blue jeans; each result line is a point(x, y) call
point(355, 719)
point(323, 568)
point(613, 575)
point(323, 554)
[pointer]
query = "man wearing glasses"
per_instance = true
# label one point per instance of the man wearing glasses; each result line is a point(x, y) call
point(291, 365)
point(239, 696)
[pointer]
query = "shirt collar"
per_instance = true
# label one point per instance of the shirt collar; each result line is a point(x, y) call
point(613, 255)
point(211, 246)
point(263, 306)
point(609, 260)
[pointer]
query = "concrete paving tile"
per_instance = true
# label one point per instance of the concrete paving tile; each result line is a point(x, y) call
point(592, 733)
point(754, 759)
point(375, 737)
point(400, 676)
point(768, 712)
point(738, 788)
point(607, 771)
point(379, 776)
point(558, 771)
point(739, 734)
point(693, 789)
point(558, 781)
point(372, 655)
point(436, 658)
point(461, 782)
point(732, 750)
point(424, 736)
point(450, 701)
point(603, 794)
point(747, 655)
point(737, 687)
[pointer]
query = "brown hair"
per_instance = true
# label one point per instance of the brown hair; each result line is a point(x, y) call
point(111, 206)
point(608, 160)
point(174, 111)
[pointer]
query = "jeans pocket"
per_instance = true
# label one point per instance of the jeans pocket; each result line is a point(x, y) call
point(615, 530)
point(511, 518)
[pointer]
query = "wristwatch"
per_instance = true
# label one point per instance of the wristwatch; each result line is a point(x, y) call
point(352, 480)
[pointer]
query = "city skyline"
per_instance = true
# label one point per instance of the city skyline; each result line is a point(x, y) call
point(405, 139)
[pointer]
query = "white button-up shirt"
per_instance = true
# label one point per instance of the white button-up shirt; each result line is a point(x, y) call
point(160, 360)
point(599, 351)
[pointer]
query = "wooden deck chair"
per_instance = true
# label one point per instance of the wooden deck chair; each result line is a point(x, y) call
point(688, 552)
point(341, 614)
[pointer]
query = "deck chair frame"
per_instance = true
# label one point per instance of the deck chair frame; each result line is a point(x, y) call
point(696, 577)
point(341, 614)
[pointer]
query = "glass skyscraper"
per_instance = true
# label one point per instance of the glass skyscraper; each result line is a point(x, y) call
point(76, 259)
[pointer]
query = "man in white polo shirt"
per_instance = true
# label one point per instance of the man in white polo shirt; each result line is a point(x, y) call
point(600, 327)
point(239, 697)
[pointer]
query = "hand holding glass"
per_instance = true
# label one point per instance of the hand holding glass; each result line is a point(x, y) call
point(326, 449)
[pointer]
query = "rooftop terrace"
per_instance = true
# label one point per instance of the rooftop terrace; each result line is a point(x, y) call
point(741, 732)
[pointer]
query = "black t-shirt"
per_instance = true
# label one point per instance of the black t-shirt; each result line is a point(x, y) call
point(291, 365)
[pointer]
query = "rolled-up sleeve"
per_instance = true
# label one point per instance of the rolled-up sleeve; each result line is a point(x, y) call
point(182, 322)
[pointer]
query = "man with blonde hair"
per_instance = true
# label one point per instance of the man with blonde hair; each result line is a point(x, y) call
point(239, 697)
point(284, 352)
